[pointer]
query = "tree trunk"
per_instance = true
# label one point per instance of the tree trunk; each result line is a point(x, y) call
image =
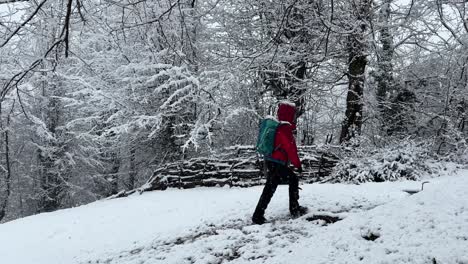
point(357, 63)
point(53, 175)
point(384, 76)
point(132, 173)
point(113, 174)
point(8, 171)
point(285, 82)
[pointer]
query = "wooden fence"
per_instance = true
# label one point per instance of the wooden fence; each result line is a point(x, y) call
point(234, 166)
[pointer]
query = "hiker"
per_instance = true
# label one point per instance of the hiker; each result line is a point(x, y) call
point(277, 165)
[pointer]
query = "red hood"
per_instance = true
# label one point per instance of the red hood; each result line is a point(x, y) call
point(287, 112)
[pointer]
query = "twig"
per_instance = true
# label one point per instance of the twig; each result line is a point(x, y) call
point(22, 24)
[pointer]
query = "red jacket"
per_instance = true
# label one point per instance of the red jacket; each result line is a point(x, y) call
point(285, 143)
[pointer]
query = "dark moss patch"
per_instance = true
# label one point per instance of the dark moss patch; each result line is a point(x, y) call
point(327, 218)
point(371, 236)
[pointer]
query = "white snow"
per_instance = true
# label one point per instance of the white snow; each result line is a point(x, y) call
point(212, 225)
point(286, 102)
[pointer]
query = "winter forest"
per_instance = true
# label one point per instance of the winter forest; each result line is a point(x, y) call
point(95, 95)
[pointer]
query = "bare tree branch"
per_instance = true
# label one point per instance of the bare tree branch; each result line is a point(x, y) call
point(11, 1)
point(66, 27)
point(17, 78)
point(23, 24)
point(440, 11)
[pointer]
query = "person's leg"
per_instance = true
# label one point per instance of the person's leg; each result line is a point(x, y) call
point(293, 190)
point(268, 191)
point(294, 208)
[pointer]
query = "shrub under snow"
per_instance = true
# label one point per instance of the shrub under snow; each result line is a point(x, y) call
point(406, 160)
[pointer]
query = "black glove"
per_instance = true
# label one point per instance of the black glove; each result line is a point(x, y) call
point(299, 170)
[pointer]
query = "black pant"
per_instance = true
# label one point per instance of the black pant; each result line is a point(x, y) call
point(275, 172)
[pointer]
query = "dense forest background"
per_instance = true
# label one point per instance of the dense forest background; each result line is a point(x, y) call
point(96, 94)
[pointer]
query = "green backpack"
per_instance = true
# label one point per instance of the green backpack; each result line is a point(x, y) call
point(266, 136)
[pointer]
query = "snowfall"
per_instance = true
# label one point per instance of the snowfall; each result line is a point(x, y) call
point(367, 223)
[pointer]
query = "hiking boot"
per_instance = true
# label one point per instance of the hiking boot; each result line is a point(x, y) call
point(299, 211)
point(258, 220)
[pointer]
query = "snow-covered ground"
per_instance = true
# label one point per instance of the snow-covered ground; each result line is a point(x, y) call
point(377, 223)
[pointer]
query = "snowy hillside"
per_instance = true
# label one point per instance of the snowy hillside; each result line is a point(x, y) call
point(375, 223)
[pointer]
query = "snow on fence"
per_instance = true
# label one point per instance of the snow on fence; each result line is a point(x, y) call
point(234, 166)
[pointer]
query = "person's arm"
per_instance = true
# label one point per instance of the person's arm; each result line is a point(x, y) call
point(289, 145)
